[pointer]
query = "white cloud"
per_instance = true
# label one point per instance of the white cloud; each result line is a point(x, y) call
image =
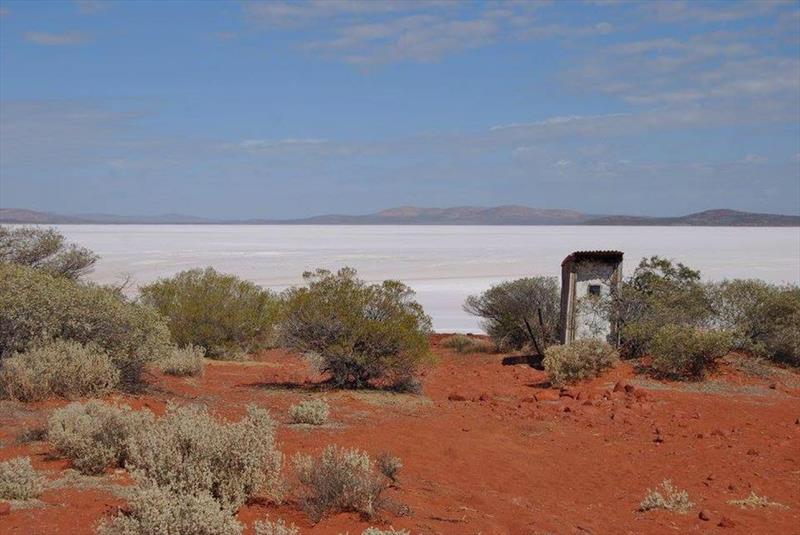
point(56, 39)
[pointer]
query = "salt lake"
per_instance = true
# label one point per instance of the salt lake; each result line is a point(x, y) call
point(443, 264)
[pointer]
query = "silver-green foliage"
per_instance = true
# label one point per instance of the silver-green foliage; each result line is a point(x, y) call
point(578, 360)
point(95, 435)
point(18, 480)
point(44, 249)
point(310, 411)
point(64, 368)
point(156, 510)
point(183, 362)
point(188, 452)
point(36, 306)
point(278, 527)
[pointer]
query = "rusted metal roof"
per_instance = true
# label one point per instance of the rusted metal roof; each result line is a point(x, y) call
point(609, 256)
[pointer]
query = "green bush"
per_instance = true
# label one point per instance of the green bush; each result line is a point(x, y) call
point(682, 352)
point(461, 343)
point(36, 306)
point(183, 362)
point(223, 314)
point(62, 368)
point(158, 511)
point(357, 332)
point(18, 480)
point(508, 309)
point(45, 250)
point(189, 452)
point(763, 318)
point(578, 360)
point(95, 435)
point(311, 411)
point(659, 293)
point(339, 480)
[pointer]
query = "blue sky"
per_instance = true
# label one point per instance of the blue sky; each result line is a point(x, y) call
point(288, 109)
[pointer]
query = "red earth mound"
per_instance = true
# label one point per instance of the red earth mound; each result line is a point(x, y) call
point(489, 448)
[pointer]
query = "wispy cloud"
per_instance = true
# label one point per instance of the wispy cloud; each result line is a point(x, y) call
point(56, 39)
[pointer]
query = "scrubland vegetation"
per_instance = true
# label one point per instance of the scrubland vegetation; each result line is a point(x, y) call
point(192, 471)
point(360, 334)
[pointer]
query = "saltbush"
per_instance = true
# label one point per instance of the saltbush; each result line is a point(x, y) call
point(512, 310)
point(44, 249)
point(227, 316)
point(183, 362)
point(578, 360)
point(389, 465)
point(682, 352)
point(279, 527)
point(64, 368)
point(158, 511)
point(462, 343)
point(36, 306)
point(18, 480)
point(95, 435)
point(762, 318)
point(357, 332)
point(189, 452)
point(310, 411)
point(390, 531)
point(339, 480)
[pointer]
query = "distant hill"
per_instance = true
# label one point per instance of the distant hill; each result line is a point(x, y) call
point(412, 215)
point(708, 218)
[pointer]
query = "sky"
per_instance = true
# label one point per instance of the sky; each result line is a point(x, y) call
point(290, 109)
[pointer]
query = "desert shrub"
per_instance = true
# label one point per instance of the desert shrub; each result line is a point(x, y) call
point(754, 501)
point(762, 318)
point(357, 332)
point(183, 362)
point(389, 465)
point(279, 527)
point(44, 249)
point(310, 411)
point(339, 480)
point(511, 308)
point(95, 435)
point(659, 293)
point(462, 343)
point(390, 531)
point(62, 368)
point(668, 498)
point(188, 452)
point(682, 352)
point(36, 306)
point(158, 511)
point(580, 359)
point(18, 480)
point(227, 316)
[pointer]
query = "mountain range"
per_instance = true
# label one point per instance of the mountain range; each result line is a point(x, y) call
point(413, 215)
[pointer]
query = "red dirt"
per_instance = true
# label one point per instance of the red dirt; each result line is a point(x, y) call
point(498, 462)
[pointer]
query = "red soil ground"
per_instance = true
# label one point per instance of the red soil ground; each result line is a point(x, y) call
point(489, 448)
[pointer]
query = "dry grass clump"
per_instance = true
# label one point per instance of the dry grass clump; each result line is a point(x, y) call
point(754, 501)
point(158, 511)
point(18, 480)
point(578, 360)
point(389, 465)
point(339, 480)
point(279, 527)
point(462, 343)
point(668, 498)
point(64, 368)
point(186, 361)
point(189, 452)
point(310, 411)
point(390, 531)
point(94, 435)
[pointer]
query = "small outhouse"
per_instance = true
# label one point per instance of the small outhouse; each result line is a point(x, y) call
point(589, 280)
